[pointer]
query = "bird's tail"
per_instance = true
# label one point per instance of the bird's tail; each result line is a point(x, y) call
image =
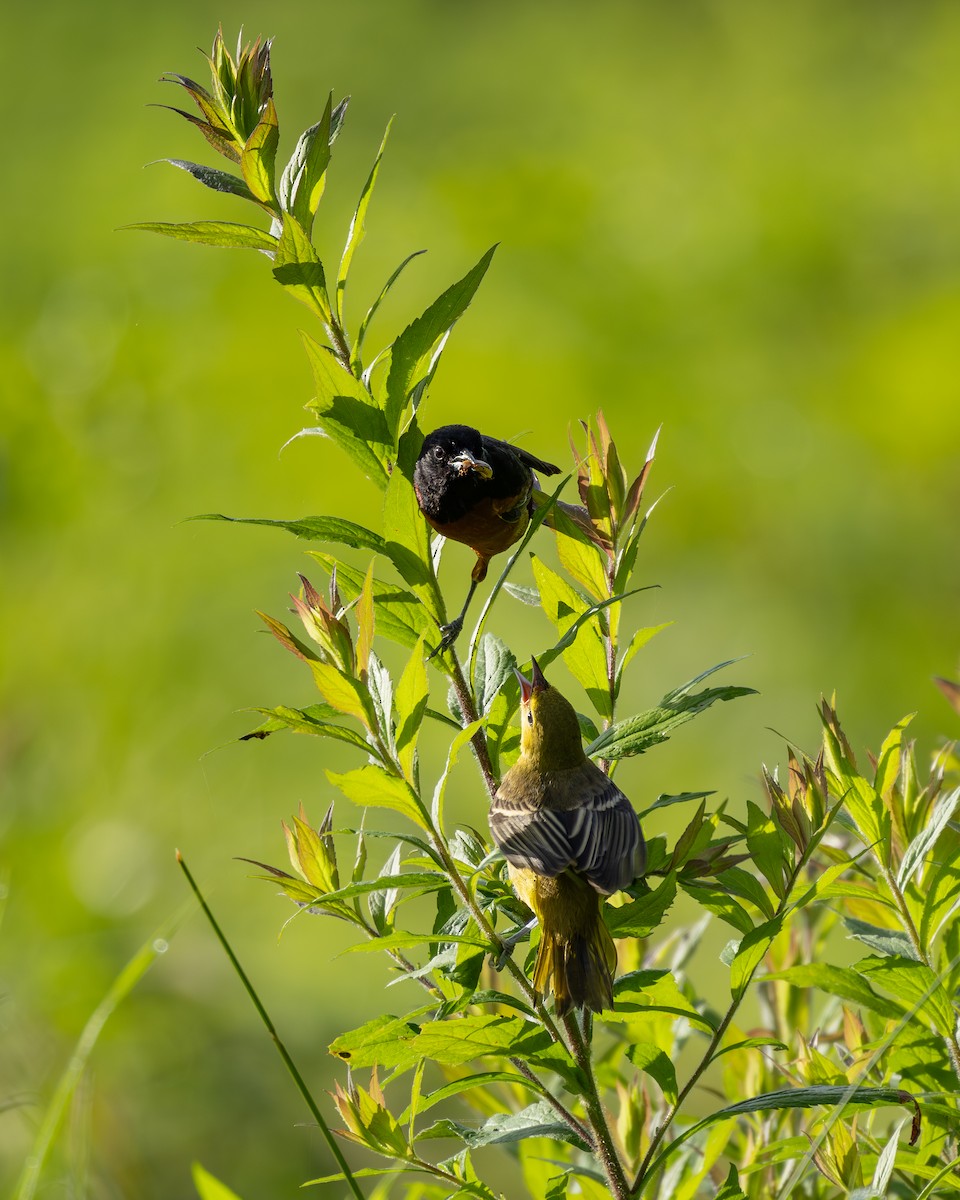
point(578, 963)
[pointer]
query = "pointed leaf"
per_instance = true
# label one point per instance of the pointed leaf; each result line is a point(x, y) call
point(371, 787)
point(356, 232)
point(312, 529)
point(412, 358)
point(219, 181)
point(212, 233)
point(298, 269)
point(258, 157)
point(348, 414)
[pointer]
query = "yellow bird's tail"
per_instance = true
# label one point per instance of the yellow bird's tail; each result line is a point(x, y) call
point(577, 957)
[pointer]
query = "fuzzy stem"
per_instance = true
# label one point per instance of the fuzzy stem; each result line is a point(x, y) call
point(605, 1149)
point(469, 710)
point(563, 1113)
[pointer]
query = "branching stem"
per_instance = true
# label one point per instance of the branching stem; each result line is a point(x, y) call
point(605, 1149)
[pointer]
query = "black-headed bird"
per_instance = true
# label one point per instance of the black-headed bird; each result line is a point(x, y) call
point(570, 837)
point(476, 490)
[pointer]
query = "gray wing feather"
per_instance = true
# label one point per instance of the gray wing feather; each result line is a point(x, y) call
point(600, 837)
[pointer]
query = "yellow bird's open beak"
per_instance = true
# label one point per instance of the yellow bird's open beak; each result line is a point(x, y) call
point(532, 686)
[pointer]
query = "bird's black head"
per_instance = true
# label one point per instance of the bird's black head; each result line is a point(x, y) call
point(452, 464)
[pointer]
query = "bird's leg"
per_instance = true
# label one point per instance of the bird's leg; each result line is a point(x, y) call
point(509, 943)
point(451, 631)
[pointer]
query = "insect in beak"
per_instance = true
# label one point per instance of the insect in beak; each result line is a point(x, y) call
point(465, 462)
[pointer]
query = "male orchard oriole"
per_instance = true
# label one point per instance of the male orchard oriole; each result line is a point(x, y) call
point(476, 490)
point(569, 836)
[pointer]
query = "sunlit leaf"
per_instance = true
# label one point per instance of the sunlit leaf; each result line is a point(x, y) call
point(843, 982)
point(212, 233)
point(258, 157)
point(371, 787)
point(400, 615)
point(641, 917)
point(916, 855)
point(413, 355)
point(348, 414)
point(356, 231)
point(298, 269)
point(312, 529)
point(637, 734)
point(411, 703)
point(650, 1058)
point(209, 1188)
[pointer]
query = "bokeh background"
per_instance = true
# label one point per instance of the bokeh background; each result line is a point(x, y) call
point(740, 221)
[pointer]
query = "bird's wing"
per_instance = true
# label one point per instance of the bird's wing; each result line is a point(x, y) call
point(528, 460)
point(532, 838)
point(584, 821)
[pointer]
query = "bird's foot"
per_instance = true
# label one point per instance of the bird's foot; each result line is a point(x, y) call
point(510, 943)
point(449, 633)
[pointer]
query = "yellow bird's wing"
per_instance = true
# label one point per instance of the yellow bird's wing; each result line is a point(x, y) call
point(577, 818)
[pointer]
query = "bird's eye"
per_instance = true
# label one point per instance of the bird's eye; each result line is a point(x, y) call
point(438, 452)
point(530, 717)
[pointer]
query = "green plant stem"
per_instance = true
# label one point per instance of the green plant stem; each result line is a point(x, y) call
point(271, 1029)
point(685, 1091)
point(564, 1114)
point(953, 1047)
point(603, 1140)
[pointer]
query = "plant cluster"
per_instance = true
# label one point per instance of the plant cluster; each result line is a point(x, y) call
point(673, 1092)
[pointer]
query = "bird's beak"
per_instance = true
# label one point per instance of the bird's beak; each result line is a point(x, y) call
point(465, 462)
point(535, 684)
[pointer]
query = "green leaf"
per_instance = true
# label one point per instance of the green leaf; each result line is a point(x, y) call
point(371, 787)
point(400, 615)
point(258, 157)
point(586, 657)
point(414, 355)
point(526, 595)
point(344, 693)
point(731, 1189)
point(212, 233)
point(884, 941)
point(557, 1187)
point(750, 955)
point(391, 1042)
point(219, 181)
point(298, 269)
point(641, 917)
point(751, 1043)
point(922, 845)
point(385, 1041)
point(641, 992)
point(304, 177)
point(468, 1082)
point(742, 884)
point(301, 720)
point(637, 734)
point(650, 1058)
point(843, 982)
point(916, 984)
point(356, 231)
point(407, 544)
point(312, 529)
point(495, 664)
point(411, 704)
point(787, 1098)
point(888, 760)
point(860, 797)
point(372, 310)
point(767, 848)
point(209, 1188)
point(463, 737)
point(348, 415)
point(538, 1120)
point(718, 902)
point(636, 643)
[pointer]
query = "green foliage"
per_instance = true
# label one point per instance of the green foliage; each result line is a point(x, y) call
point(793, 1106)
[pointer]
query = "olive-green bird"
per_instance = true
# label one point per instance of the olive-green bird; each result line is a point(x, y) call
point(570, 836)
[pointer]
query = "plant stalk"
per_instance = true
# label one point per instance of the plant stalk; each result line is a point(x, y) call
point(605, 1149)
point(271, 1029)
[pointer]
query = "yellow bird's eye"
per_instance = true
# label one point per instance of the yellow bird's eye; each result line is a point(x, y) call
point(529, 716)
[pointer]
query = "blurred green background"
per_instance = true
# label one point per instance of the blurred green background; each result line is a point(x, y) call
point(740, 221)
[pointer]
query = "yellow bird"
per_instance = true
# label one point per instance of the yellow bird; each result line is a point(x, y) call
point(570, 836)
